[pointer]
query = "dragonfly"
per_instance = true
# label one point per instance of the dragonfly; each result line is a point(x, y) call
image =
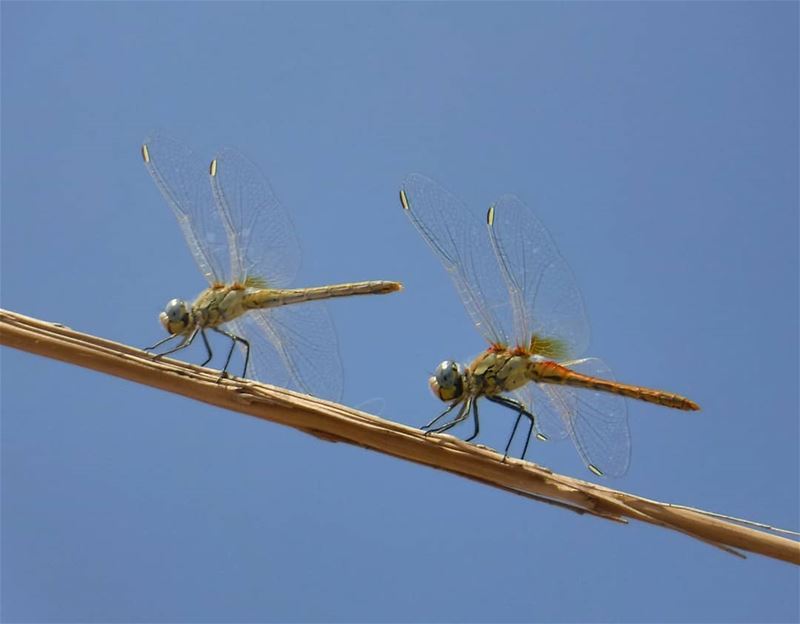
point(523, 298)
point(243, 241)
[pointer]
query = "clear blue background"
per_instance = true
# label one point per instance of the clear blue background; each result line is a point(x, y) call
point(658, 142)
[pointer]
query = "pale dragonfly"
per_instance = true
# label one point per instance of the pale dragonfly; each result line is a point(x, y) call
point(524, 300)
point(244, 243)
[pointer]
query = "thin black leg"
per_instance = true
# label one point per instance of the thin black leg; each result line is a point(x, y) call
point(162, 341)
point(440, 416)
point(234, 339)
point(521, 411)
point(186, 342)
point(510, 403)
point(519, 407)
point(462, 414)
point(530, 433)
point(511, 437)
point(208, 347)
point(477, 424)
point(246, 356)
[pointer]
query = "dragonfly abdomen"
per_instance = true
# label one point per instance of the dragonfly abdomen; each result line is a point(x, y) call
point(552, 372)
point(270, 298)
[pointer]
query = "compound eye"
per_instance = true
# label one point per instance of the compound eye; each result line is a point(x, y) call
point(175, 310)
point(175, 316)
point(448, 373)
point(447, 382)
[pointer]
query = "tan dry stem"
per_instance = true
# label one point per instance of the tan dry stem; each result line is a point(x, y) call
point(339, 423)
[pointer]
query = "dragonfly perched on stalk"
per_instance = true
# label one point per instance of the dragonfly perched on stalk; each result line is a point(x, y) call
point(523, 299)
point(243, 242)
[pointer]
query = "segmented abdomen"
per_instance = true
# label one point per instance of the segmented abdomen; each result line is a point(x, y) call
point(269, 298)
point(552, 372)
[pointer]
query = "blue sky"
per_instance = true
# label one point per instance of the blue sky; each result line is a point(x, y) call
point(659, 144)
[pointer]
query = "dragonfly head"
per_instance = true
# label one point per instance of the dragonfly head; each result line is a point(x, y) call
point(448, 381)
point(177, 316)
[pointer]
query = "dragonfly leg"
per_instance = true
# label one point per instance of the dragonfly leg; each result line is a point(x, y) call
point(162, 341)
point(208, 347)
point(187, 340)
point(234, 339)
point(246, 356)
point(521, 411)
point(511, 437)
point(520, 407)
point(440, 416)
point(530, 433)
point(477, 424)
point(463, 413)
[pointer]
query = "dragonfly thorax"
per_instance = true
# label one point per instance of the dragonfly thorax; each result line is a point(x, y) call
point(496, 371)
point(448, 381)
point(177, 316)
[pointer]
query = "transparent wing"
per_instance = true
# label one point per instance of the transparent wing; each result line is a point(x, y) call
point(459, 239)
point(545, 297)
point(294, 346)
point(596, 421)
point(265, 362)
point(262, 239)
point(182, 179)
point(548, 419)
